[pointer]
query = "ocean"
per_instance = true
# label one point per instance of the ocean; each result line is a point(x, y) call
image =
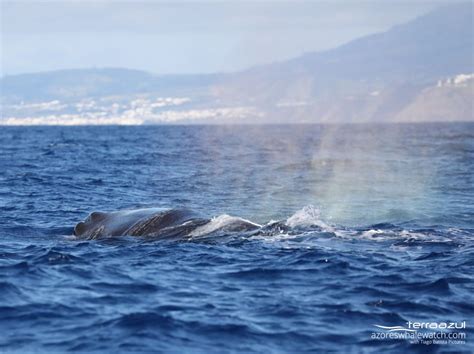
point(365, 230)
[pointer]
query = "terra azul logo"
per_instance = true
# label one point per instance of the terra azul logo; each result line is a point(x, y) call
point(426, 333)
point(414, 326)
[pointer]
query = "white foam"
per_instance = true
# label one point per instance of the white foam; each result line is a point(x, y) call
point(70, 237)
point(308, 216)
point(371, 233)
point(217, 223)
point(386, 235)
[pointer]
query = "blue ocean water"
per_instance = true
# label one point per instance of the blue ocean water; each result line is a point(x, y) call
point(363, 225)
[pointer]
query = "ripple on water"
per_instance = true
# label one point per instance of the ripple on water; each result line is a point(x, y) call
point(310, 280)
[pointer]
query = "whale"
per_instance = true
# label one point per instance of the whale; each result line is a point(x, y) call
point(157, 223)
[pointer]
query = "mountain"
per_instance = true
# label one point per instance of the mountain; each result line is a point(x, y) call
point(107, 96)
point(80, 83)
point(435, 45)
point(370, 79)
point(418, 71)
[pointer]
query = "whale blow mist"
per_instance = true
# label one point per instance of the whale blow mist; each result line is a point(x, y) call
point(351, 172)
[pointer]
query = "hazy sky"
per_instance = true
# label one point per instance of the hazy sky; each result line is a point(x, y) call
point(185, 37)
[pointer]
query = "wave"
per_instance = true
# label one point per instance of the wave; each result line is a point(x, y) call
point(307, 222)
point(308, 216)
point(221, 222)
point(305, 226)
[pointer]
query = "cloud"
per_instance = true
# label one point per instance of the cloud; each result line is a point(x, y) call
point(184, 37)
point(166, 17)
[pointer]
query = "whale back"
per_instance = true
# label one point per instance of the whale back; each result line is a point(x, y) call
point(159, 223)
point(169, 223)
point(140, 222)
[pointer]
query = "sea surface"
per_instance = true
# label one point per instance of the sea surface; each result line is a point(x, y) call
point(362, 225)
